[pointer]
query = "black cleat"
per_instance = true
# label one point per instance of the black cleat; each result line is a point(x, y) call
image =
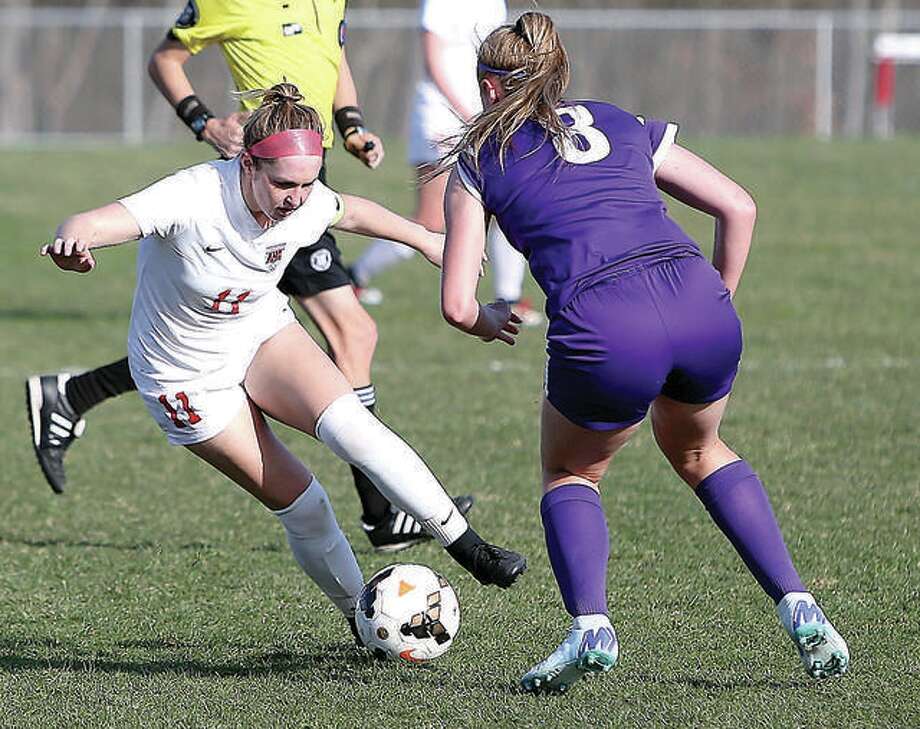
point(54, 425)
point(492, 565)
point(400, 530)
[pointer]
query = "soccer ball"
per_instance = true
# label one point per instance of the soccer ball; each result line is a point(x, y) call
point(408, 611)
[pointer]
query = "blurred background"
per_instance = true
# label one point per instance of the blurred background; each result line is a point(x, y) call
point(71, 70)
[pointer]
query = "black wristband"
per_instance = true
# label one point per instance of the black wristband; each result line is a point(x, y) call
point(194, 113)
point(348, 117)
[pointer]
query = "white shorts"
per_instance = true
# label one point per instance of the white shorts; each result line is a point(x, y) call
point(194, 411)
point(430, 124)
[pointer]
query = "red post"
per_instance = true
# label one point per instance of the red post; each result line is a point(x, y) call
point(884, 83)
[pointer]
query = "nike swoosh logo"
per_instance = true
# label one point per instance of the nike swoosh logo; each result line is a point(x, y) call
point(444, 523)
point(210, 249)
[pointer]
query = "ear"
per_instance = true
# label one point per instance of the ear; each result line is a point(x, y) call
point(490, 89)
point(247, 162)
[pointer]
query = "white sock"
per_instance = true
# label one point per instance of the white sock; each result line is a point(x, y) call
point(320, 547)
point(358, 438)
point(508, 266)
point(378, 257)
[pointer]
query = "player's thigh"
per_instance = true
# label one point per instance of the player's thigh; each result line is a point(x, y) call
point(293, 380)
point(429, 209)
point(338, 310)
point(684, 429)
point(570, 453)
point(250, 454)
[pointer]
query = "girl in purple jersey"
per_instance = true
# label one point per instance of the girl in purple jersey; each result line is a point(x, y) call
point(639, 322)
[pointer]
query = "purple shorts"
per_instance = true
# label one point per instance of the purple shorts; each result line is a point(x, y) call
point(668, 328)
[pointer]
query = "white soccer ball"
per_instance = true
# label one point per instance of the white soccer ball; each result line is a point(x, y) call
point(408, 612)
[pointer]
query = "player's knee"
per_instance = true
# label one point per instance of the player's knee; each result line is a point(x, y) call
point(691, 461)
point(556, 474)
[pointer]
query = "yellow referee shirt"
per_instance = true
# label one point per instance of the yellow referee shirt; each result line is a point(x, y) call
point(268, 41)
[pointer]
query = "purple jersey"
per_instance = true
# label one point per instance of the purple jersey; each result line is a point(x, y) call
point(590, 214)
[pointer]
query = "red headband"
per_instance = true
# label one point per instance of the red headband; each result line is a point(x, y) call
point(289, 143)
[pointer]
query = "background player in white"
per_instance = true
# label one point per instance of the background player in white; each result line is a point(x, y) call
point(212, 339)
point(446, 95)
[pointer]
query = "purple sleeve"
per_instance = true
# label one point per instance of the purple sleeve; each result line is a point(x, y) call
point(661, 135)
point(469, 178)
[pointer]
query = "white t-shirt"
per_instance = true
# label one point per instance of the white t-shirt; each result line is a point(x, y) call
point(207, 275)
point(461, 25)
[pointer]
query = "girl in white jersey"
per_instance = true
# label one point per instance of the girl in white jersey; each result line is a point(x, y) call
point(446, 95)
point(212, 339)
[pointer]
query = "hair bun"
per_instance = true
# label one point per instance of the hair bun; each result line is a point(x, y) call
point(280, 93)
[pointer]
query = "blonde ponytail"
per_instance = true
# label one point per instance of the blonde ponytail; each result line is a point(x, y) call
point(533, 68)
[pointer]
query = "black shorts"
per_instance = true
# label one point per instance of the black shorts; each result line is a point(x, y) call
point(316, 268)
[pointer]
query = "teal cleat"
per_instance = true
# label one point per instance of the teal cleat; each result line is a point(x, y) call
point(585, 651)
point(822, 649)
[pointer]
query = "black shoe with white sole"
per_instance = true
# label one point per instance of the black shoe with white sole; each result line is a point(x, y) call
point(400, 530)
point(54, 425)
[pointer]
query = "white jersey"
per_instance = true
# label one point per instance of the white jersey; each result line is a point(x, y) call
point(461, 26)
point(207, 276)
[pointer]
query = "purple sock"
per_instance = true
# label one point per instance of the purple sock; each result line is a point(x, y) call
point(735, 499)
point(578, 546)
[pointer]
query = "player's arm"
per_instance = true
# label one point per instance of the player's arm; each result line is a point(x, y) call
point(361, 143)
point(167, 69)
point(366, 217)
point(79, 234)
point(696, 183)
point(463, 254)
point(433, 58)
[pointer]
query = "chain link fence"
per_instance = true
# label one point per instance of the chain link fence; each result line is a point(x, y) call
point(70, 73)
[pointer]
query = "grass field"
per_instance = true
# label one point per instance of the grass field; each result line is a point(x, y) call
point(155, 593)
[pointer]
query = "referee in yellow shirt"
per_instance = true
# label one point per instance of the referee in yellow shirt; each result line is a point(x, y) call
point(263, 42)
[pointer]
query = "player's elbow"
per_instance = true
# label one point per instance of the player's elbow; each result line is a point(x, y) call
point(741, 207)
point(452, 314)
point(153, 66)
point(456, 311)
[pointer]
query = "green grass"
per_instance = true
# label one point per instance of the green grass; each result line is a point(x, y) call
point(154, 593)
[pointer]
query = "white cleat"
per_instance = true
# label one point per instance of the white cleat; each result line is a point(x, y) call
point(823, 651)
point(590, 647)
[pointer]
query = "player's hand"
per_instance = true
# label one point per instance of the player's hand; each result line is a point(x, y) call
point(366, 147)
point(497, 321)
point(226, 135)
point(70, 254)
